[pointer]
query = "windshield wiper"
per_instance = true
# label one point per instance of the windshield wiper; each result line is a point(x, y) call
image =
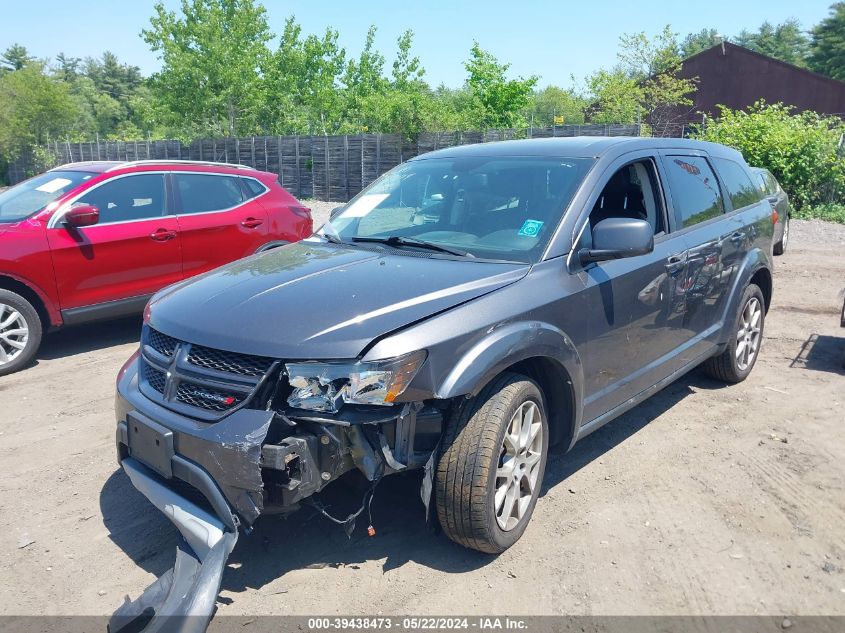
point(398, 240)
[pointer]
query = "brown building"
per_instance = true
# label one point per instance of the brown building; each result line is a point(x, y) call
point(736, 77)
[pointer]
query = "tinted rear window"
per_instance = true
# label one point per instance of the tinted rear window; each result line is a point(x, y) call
point(695, 190)
point(737, 181)
point(253, 187)
point(201, 193)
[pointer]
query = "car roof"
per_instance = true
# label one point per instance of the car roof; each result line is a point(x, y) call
point(579, 147)
point(102, 166)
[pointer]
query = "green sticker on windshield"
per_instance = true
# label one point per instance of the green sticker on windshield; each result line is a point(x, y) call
point(531, 228)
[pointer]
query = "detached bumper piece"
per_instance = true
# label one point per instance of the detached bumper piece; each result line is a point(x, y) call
point(182, 600)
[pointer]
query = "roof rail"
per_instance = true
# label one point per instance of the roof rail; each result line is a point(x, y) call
point(81, 162)
point(165, 161)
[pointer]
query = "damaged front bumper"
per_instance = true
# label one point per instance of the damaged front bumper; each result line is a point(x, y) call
point(210, 478)
point(182, 600)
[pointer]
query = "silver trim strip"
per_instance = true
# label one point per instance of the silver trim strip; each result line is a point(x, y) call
point(59, 213)
point(174, 161)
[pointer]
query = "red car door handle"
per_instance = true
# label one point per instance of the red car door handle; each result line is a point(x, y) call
point(252, 223)
point(162, 235)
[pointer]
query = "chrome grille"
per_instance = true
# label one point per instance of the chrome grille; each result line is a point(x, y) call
point(198, 381)
point(230, 362)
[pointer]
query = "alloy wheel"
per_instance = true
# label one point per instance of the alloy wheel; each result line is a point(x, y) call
point(519, 466)
point(748, 335)
point(14, 333)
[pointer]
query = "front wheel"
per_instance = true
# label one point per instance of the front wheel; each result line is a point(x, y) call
point(737, 361)
point(492, 464)
point(20, 332)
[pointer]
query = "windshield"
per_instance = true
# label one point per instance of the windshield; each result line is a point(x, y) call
point(487, 207)
point(32, 195)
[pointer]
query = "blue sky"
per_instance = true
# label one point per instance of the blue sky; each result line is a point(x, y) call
point(551, 39)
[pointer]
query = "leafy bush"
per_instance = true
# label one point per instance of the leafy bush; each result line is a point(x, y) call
point(831, 212)
point(802, 150)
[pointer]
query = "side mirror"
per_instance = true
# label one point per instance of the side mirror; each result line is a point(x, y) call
point(82, 215)
point(616, 238)
point(336, 211)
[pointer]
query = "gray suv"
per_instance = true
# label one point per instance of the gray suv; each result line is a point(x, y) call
point(465, 312)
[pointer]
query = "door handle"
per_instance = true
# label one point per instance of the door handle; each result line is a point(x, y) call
point(675, 264)
point(252, 223)
point(162, 235)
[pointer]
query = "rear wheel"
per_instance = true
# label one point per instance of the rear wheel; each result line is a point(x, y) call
point(780, 247)
point(492, 464)
point(20, 332)
point(737, 361)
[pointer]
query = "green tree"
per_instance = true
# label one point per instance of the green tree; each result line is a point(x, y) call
point(495, 101)
point(450, 109)
point(213, 56)
point(302, 83)
point(645, 86)
point(34, 108)
point(615, 98)
point(15, 58)
point(117, 80)
point(827, 50)
point(694, 43)
point(409, 104)
point(551, 102)
point(641, 55)
point(365, 85)
point(67, 68)
point(786, 41)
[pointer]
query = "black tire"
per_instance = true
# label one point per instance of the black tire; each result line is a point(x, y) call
point(726, 366)
point(780, 247)
point(465, 480)
point(29, 317)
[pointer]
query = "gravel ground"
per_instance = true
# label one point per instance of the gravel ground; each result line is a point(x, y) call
point(705, 499)
point(320, 210)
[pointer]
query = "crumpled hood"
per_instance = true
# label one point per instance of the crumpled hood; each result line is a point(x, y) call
point(318, 301)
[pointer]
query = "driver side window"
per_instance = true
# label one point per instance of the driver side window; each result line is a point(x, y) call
point(136, 197)
point(631, 192)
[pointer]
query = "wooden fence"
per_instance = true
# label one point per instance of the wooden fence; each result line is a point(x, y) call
point(322, 167)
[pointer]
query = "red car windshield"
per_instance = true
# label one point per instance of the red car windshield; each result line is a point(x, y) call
point(30, 196)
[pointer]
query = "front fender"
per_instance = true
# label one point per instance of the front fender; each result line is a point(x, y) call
point(506, 345)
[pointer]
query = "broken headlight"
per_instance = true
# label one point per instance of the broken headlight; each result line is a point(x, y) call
point(326, 386)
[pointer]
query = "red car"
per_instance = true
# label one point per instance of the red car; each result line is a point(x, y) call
point(94, 240)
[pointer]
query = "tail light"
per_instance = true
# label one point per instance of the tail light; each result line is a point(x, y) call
point(303, 212)
point(774, 216)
